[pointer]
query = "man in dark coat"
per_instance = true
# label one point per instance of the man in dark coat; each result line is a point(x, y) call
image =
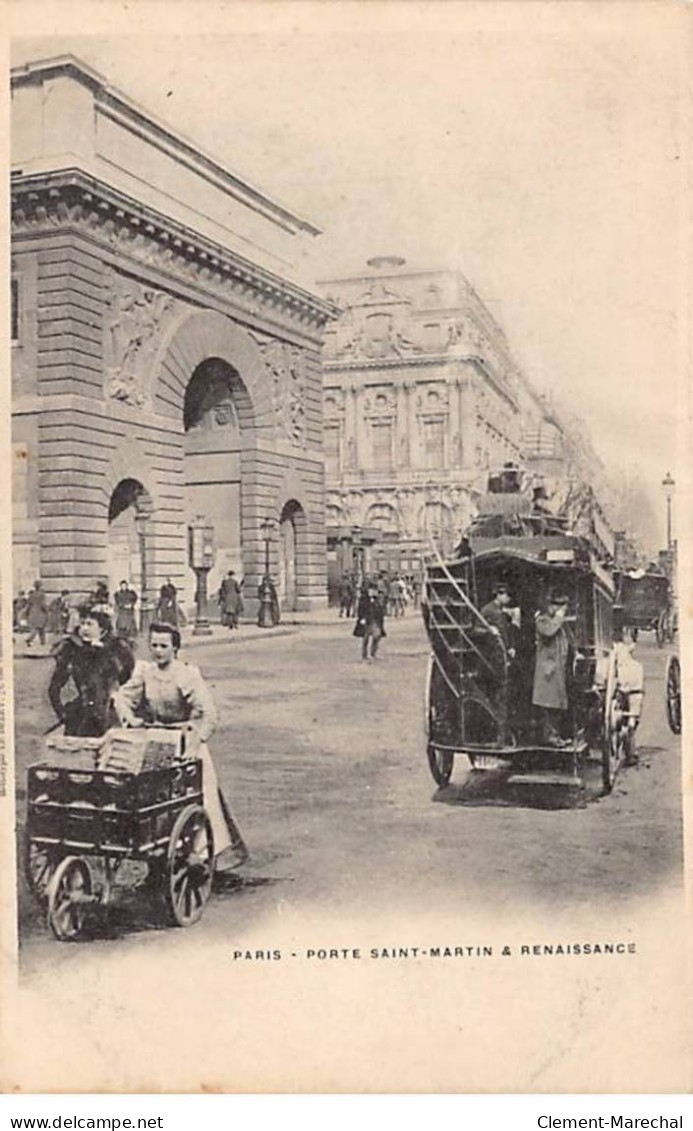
point(553, 647)
point(96, 662)
point(370, 620)
point(499, 620)
point(346, 596)
point(37, 614)
point(230, 600)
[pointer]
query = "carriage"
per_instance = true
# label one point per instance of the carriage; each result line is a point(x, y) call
point(644, 603)
point(479, 696)
point(95, 805)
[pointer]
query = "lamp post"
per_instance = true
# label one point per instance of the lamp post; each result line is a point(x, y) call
point(268, 612)
point(668, 483)
point(201, 557)
point(141, 520)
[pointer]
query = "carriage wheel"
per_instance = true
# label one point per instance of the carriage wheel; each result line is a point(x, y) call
point(39, 861)
point(69, 898)
point(661, 628)
point(441, 763)
point(673, 686)
point(189, 867)
point(614, 738)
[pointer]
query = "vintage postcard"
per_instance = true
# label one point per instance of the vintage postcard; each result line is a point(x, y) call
point(347, 556)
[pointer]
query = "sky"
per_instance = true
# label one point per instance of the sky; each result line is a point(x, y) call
point(538, 148)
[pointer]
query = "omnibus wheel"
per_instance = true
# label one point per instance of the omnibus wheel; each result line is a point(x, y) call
point(673, 693)
point(441, 763)
point(70, 895)
point(189, 868)
point(615, 727)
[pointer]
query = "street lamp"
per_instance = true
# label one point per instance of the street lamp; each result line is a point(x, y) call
point(201, 558)
point(268, 612)
point(141, 520)
point(668, 483)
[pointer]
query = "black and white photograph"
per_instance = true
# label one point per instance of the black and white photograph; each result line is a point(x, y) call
point(350, 519)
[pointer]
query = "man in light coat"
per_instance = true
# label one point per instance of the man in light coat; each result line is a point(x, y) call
point(553, 648)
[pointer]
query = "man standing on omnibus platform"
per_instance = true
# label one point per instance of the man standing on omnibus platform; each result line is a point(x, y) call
point(550, 691)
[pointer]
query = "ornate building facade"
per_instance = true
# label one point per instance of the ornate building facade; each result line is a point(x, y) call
point(422, 397)
point(166, 354)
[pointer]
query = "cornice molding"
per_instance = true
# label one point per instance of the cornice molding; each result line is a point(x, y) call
point(135, 118)
point(69, 199)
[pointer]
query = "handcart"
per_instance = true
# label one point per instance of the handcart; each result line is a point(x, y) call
point(93, 804)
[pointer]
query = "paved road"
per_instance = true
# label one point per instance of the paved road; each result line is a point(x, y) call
point(323, 760)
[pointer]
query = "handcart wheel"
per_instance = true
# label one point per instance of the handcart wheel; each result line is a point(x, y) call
point(673, 690)
point(189, 867)
point(39, 862)
point(70, 894)
point(615, 725)
point(441, 763)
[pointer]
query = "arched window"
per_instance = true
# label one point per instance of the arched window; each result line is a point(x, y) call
point(384, 517)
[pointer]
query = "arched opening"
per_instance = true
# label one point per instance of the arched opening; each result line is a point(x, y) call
point(129, 511)
point(216, 410)
point(291, 522)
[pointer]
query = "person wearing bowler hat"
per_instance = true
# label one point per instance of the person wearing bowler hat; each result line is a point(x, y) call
point(495, 616)
point(553, 648)
point(370, 619)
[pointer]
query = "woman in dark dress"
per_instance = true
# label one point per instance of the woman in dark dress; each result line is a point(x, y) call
point(97, 663)
point(125, 600)
point(167, 605)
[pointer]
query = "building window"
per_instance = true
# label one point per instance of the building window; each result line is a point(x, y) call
point(14, 310)
point(434, 443)
point(332, 448)
point(382, 444)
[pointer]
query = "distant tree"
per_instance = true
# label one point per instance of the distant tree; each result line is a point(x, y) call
point(634, 511)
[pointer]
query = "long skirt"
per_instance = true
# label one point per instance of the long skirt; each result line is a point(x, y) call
point(210, 798)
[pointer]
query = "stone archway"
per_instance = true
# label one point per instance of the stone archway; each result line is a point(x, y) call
point(218, 422)
point(193, 339)
point(211, 378)
point(292, 527)
point(129, 511)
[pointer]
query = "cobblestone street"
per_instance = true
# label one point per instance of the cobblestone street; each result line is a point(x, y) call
point(323, 760)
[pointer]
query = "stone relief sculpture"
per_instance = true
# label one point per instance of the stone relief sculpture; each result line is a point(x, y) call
point(132, 332)
point(286, 364)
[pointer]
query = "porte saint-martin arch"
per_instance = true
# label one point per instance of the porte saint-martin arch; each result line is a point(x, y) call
point(166, 354)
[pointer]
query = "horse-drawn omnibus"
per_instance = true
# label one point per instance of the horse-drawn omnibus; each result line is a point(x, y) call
point(480, 690)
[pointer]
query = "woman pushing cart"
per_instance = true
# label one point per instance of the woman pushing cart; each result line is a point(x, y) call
point(167, 691)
